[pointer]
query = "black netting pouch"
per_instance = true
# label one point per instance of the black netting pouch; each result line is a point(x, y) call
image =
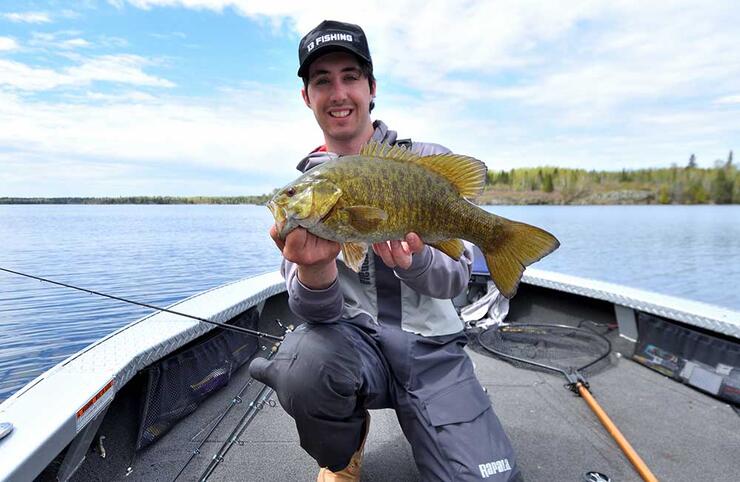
point(706, 361)
point(177, 384)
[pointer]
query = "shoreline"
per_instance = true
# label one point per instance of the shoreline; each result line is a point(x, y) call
point(490, 197)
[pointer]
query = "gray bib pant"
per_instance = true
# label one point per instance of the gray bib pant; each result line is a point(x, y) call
point(327, 375)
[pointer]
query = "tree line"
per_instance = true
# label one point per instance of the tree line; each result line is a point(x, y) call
point(673, 185)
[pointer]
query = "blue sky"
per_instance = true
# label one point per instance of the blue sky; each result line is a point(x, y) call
point(200, 97)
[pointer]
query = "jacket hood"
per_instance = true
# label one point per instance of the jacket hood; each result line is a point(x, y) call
point(380, 134)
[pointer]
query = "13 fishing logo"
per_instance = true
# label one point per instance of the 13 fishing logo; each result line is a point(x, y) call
point(493, 468)
point(330, 37)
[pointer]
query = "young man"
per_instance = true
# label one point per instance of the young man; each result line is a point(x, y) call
point(387, 337)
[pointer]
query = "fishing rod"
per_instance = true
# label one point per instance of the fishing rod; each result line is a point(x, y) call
point(225, 326)
point(234, 401)
point(262, 398)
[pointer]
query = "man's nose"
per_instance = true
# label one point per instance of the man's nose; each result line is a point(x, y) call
point(338, 93)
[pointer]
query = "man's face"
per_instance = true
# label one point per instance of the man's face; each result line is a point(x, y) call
point(339, 96)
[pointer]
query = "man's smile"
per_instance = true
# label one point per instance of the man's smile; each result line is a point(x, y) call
point(340, 113)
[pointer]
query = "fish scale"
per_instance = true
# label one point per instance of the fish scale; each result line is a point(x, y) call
point(387, 187)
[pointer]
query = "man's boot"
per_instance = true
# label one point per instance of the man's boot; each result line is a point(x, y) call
point(351, 473)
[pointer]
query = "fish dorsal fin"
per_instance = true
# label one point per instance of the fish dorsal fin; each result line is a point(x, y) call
point(467, 174)
point(388, 151)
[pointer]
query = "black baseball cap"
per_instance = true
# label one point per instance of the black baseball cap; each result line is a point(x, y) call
point(330, 36)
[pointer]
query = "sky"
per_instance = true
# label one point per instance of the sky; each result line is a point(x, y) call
point(201, 97)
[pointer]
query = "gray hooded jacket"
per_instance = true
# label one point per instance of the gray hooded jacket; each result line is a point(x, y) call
point(423, 305)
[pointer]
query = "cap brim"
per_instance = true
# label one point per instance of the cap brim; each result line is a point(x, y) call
point(323, 50)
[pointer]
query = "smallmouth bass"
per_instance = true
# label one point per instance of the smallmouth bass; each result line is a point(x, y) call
point(387, 191)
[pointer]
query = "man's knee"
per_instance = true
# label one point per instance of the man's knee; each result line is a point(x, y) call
point(313, 371)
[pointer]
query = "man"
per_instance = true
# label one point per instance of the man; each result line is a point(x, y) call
point(388, 336)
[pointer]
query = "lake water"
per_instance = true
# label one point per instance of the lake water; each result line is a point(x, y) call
point(161, 254)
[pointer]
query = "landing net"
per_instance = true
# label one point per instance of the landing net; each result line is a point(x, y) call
point(560, 348)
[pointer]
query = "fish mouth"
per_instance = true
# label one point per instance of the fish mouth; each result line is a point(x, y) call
point(278, 213)
point(281, 219)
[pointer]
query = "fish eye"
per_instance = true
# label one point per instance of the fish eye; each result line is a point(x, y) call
point(290, 192)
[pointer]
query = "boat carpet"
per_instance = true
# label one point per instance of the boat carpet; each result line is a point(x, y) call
point(682, 434)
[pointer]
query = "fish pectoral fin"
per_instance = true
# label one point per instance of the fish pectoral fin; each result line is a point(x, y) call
point(354, 255)
point(451, 247)
point(365, 218)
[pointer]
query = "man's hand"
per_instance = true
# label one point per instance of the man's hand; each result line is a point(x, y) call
point(398, 253)
point(314, 256)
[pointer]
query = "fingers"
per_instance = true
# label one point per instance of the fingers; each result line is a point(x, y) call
point(276, 237)
point(415, 243)
point(384, 251)
point(304, 248)
point(394, 253)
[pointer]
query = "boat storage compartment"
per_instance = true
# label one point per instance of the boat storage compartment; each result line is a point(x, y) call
point(178, 383)
point(705, 361)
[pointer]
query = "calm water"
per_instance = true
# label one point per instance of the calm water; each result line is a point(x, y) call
point(161, 254)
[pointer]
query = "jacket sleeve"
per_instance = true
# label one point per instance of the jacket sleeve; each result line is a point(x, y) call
point(313, 306)
point(435, 274)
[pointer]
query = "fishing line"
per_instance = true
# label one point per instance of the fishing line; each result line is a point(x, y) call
point(146, 305)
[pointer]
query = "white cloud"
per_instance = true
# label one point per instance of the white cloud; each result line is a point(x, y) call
point(8, 43)
point(728, 99)
point(258, 130)
point(27, 17)
point(123, 68)
point(70, 39)
point(74, 43)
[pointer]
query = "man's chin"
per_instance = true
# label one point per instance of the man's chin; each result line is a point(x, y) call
point(345, 134)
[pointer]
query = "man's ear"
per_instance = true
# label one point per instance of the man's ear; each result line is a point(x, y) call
point(373, 89)
point(304, 94)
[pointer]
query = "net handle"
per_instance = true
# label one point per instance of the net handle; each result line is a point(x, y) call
point(631, 454)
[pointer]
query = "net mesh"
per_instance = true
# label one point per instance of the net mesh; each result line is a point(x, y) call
point(178, 383)
point(549, 347)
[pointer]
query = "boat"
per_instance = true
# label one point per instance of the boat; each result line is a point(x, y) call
point(169, 398)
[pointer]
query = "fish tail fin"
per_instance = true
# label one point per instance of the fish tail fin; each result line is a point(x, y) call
point(513, 247)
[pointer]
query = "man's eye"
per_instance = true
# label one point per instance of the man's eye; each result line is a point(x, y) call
point(321, 81)
point(351, 78)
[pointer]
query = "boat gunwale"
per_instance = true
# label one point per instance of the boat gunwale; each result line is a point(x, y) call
point(717, 319)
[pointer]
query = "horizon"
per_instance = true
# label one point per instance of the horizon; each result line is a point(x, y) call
point(179, 98)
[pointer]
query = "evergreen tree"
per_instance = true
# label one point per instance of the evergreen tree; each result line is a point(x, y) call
point(547, 185)
point(721, 191)
point(692, 162)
